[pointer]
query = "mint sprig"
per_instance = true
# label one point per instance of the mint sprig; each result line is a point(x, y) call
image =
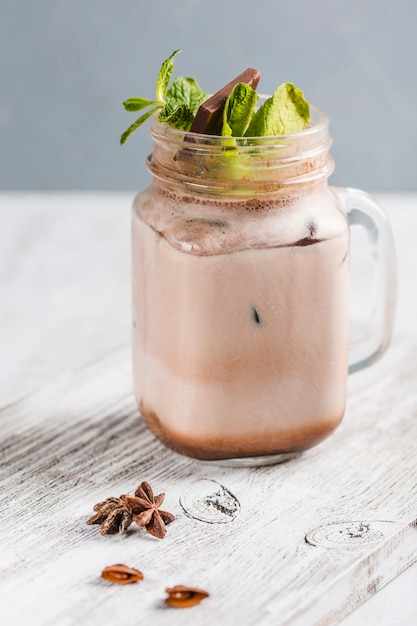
point(285, 112)
point(137, 104)
point(177, 104)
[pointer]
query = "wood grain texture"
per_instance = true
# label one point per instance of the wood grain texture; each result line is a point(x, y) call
point(80, 439)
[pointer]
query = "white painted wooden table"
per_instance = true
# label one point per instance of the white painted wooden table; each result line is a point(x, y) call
point(65, 302)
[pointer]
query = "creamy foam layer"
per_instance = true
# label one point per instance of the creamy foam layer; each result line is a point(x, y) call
point(246, 350)
point(221, 226)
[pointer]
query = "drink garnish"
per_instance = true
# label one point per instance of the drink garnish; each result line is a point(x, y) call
point(230, 112)
point(208, 119)
point(177, 105)
point(285, 112)
point(238, 110)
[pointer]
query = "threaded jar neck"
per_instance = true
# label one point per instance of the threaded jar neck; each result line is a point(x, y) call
point(242, 166)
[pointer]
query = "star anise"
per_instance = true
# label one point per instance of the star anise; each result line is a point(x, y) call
point(116, 514)
point(149, 514)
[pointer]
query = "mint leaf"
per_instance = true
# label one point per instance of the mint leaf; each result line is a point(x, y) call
point(283, 113)
point(136, 124)
point(136, 104)
point(238, 110)
point(183, 99)
point(188, 92)
point(164, 77)
point(197, 95)
point(178, 116)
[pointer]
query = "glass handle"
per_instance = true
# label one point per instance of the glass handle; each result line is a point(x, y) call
point(363, 210)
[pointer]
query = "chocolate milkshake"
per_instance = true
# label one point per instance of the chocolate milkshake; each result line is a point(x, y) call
point(240, 311)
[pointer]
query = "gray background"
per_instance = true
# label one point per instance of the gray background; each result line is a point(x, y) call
point(66, 65)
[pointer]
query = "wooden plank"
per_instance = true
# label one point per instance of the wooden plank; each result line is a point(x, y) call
point(80, 439)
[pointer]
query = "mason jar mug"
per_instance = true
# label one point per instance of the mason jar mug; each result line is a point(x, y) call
point(241, 293)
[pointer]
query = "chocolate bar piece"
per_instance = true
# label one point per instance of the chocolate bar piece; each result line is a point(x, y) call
point(208, 118)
